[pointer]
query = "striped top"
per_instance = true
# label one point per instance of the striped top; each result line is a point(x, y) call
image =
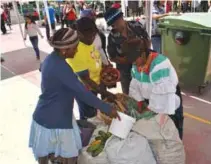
point(158, 86)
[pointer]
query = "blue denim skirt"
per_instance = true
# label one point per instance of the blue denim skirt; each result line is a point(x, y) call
point(62, 142)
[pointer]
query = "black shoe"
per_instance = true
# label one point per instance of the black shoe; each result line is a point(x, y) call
point(38, 57)
point(2, 60)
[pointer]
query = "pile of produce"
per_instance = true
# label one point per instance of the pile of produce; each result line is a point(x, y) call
point(116, 105)
point(110, 76)
point(97, 146)
point(133, 109)
point(129, 106)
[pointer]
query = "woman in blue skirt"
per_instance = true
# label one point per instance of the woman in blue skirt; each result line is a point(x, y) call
point(54, 130)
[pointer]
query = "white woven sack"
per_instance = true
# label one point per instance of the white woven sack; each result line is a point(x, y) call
point(163, 138)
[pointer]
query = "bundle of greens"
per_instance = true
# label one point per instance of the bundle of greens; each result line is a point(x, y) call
point(133, 109)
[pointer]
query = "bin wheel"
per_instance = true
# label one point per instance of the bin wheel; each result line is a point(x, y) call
point(202, 87)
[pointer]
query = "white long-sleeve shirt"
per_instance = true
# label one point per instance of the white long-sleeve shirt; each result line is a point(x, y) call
point(98, 45)
point(32, 30)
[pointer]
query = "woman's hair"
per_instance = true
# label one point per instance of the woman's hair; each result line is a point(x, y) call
point(32, 20)
point(86, 25)
point(64, 38)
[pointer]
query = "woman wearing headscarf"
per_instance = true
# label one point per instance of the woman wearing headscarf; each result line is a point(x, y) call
point(54, 129)
point(155, 81)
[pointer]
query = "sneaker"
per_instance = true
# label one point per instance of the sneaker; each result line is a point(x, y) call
point(38, 57)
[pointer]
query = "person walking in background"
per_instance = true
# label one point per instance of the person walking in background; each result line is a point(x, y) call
point(3, 19)
point(8, 17)
point(51, 12)
point(64, 16)
point(71, 14)
point(57, 13)
point(31, 29)
point(168, 6)
point(157, 13)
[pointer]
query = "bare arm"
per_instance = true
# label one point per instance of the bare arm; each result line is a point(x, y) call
point(25, 33)
point(158, 16)
point(84, 76)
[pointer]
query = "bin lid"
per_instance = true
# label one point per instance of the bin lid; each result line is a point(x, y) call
point(192, 20)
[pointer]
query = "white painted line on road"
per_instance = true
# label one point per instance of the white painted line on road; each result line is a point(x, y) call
point(199, 99)
point(8, 69)
point(196, 98)
point(183, 93)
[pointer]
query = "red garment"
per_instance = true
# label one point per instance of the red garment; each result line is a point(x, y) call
point(4, 16)
point(71, 15)
point(168, 7)
point(35, 13)
point(116, 6)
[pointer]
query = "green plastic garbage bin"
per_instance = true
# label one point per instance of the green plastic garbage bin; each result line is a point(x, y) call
point(186, 40)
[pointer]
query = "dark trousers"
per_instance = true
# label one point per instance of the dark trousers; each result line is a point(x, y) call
point(85, 110)
point(156, 43)
point(63, 21)
point(70, 23)
point(34, 41)
point(57, 18)
point(48, 29)
point(125, 78)
point(3, 28)
point(178, 117)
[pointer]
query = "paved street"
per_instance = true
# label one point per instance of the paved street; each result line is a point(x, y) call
point(20, 88)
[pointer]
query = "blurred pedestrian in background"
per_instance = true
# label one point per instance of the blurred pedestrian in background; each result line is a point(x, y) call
point(51, 13)
point(3, 20)
point(71, 15)
point(31, 29)
point(158, 12)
